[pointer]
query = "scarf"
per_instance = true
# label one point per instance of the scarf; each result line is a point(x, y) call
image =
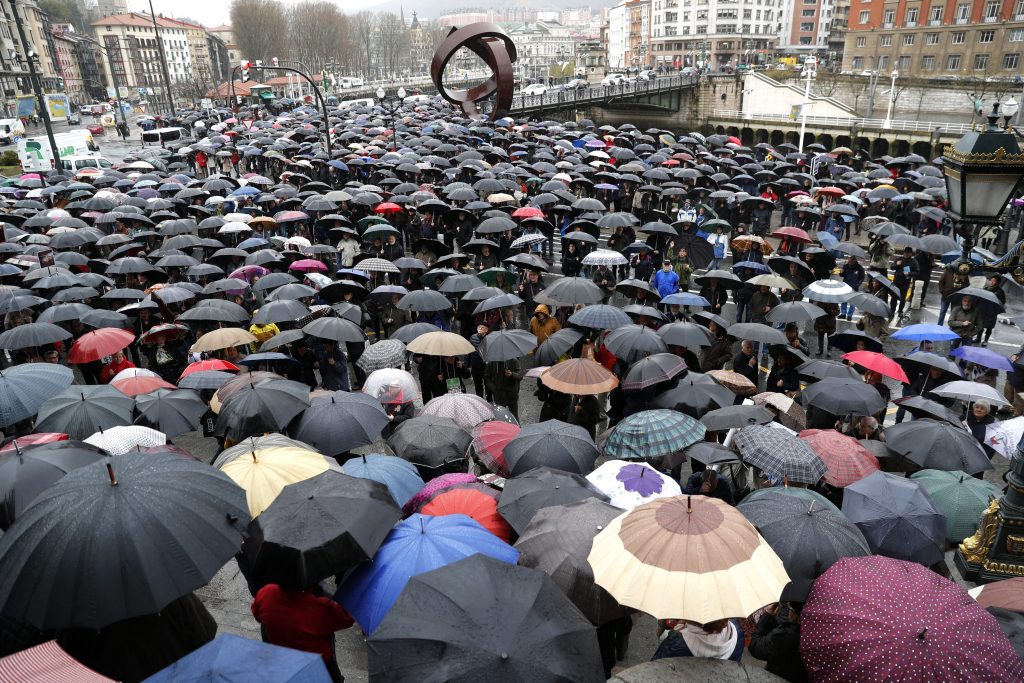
point(710, 645)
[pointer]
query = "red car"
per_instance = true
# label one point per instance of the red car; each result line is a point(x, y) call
point(95, 129)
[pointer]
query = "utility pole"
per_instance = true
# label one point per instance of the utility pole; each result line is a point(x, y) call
point(37, 86)
point(809, 67)
point(163, 59)
point(892, 97)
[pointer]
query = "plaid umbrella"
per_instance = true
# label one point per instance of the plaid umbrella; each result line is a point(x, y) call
point(652, 434)
point(466, 410)
point(629, 484)
point(489, 441)
point(847, 461)
point(779, 455)
point(958, 496)
point(876, 618)
point(377, 265)
point(386, 353)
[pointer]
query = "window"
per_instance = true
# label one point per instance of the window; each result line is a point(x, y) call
point(928, 62)
point(992, 9)
point(861, 41)
point(980, 62)
point(986, 36)
point(1011, 60)
point(911, 18)
point(908, 39)
point(1017, 35)
point(963, 14)
point(903, 63)
point(885, 41)
point(858, 63)
point(807, 27)
point(935, 15)
point(953, 62)
point(883, 62)
point(808, 13)
point(957, 38)
point(888, 17)
point(931, 39)
point(864, 16)
point(1018, 10)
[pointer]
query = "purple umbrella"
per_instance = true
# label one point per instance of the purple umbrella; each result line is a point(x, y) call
point(982, 356)
point(595, 144)
point(249, 273)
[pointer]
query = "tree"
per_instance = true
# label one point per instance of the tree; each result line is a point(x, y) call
point(363, 27)
point(260, 28)
point(319, 33)
point(827, 83)
point(66, 12)
point(392, 44)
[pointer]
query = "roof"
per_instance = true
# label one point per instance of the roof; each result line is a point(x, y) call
point(245, 89)
point(144, 21)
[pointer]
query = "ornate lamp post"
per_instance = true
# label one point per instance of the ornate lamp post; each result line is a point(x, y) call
point(391, 107)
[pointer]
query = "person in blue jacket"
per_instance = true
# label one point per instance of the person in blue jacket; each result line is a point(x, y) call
point(666, 280)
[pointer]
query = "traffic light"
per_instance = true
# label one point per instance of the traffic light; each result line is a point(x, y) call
point(244, 67)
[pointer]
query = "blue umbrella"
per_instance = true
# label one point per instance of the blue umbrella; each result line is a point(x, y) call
point(245, 190)
point(266, 357)
point(685, 299)
point(25, 388)
point(984, 357)
point(232, 659)
point(752, 265)
point(925, 332)
point(418, 544)
point(400, 476)
point(252, 243)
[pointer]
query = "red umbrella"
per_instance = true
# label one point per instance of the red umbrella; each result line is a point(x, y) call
point(846, 459)
point(93, 346)
point(830, 191)
point(879, 619)
point(168, 330)
point(489, 441)
point(33, 440)
point(141, 384)
point(205, 365)
point(387, 207)
point(308, 265)
point(478, 501)
point(793, 233)
point(527, 212)
point(734, 140)
point(879, 362)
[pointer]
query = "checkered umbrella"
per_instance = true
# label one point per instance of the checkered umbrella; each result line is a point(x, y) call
point(527, 240)
point(959, 497)
point(377, 265)
point(467, 410)
point(120, 440)
point(847, 461)
point(600, 317)
point(779, 455)
point(386, 353)
point(652, 434)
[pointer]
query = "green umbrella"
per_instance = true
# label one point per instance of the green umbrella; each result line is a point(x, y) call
point(958, 496)
point(370, 220)
point(490, 276)
point(710, 226)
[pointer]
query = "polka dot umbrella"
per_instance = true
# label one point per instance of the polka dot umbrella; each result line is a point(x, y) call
point(880, 619)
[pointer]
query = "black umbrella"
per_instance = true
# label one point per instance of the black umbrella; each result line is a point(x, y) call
point(695, 394)
point(26, 471)
point(844, 397)
point(807, 532)
point(552, 443)
point(707, 453)
point(1012, 624)
point(869, 303)
point(119, 539)
point(506, 345)
point(557, 345)
point(507, 624)
point(686, 334)
point(700, 253)
point(937, 445)
point(539, 488)
point(81, 411)
point(792, 312)
point(731, 417)
point(427, 300)
point(630, 286)
point(319, 527)
point(430, 441)
point(338, 330)
point(32, 335)
point(171, 412)
point(847, 341)
point(652, 370)
point(570, 291)
point(822, 369)
point(340, 422)
point(921, 361)
point(919, 406)
point(262, 405)
point(633, 342)
point(286, 310)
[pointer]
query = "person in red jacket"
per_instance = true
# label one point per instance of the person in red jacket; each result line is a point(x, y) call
point(117, 363)
point(302, 620)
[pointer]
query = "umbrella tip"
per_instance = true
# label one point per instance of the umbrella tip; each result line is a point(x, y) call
point(921, 634)
point(110, 474)
point(504, 656)
point(689, 504)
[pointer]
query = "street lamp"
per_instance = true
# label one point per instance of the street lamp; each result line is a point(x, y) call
point(391, 107)
point(892, 96)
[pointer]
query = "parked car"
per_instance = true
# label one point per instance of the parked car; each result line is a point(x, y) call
point(95, 129)
point(647, 75)
point(577, 84)
point(689, 71)
point(535, 89)
point(613, 79)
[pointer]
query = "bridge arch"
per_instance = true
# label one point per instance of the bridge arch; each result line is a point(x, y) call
point(880, 147)
point(776, 137)
point(747, 136)
point(923, 148)
point(901, 148)
point(762, 135)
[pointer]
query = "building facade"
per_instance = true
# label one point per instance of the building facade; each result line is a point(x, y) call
point(591, 60)
point(14, 73)
point(234, 55)
point(617, 36)
point(939, 38)
point(712, 34)
point(66, 53)
point(133, 55)
point(546, 50)
point(804, 26)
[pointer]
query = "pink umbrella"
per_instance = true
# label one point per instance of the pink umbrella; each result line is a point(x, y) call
point(435, 486)
point(308, 264)
point(249, 273)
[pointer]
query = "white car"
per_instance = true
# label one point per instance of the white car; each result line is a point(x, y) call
point(613, 79)
point(535, 89)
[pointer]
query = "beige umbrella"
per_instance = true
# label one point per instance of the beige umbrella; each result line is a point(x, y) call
point(579, 377)
point(687, 557)
point(790, 413)
point(735, 382)
point(223, 338)
point(771, 280)
point(440, 344)
point(265, 471)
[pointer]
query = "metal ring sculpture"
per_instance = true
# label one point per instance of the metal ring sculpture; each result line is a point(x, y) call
point(495, 47)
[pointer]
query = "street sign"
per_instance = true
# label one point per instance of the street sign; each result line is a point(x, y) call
point(142, 91)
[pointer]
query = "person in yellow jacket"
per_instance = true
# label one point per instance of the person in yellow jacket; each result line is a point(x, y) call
point(542, 324)
point(262, 332)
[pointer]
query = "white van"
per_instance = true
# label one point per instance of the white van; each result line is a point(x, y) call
point(362, 102)
point(74, 164)
point(350, 82)
point(35, 153)
point(162, 135)
point(10, 129)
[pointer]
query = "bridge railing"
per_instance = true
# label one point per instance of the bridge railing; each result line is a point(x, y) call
point(846, 122)
point(601, 93)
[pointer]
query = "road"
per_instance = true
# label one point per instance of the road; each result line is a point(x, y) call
point(111, 145)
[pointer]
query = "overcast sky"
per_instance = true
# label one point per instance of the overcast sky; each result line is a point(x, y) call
point(214, 12)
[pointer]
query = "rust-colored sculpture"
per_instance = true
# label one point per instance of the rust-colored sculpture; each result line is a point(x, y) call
point(490, 43)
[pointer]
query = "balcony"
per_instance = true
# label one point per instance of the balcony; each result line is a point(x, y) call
point(990, 20)
point(888, 24)
point(961, 21)
point(935, 22)
point(911, 24)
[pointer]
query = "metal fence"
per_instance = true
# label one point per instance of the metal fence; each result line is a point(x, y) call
point(848, 122)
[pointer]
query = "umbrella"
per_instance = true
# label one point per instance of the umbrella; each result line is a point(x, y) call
point(474, 499)
point(809, 533)
point(570, 291)
point(505, 345)
point(600, 317)
point(734, 382)
point(340, 422)
point(629, 484)
point(652, 434)
point(466, 410)
point(845, 459)
point(381, 382)
point(489, 441)
point(959, 497)
point(136, 381)
point(848, 339)
point(260, 405)
point(93, 346)
point(779, 455)
point(439, 343)
point(969, 391)
point(880, 363)
point(47, 661)
point(223, 338)
point(353, 516)
point(918, 406)
point(882, 619)
point(828, 291)
point(792, 312)
point(660, 555)
point(121, 440)
point(540, 635)
point(1005, 594)
point(869, 303)
point(416, 545)
point(922, 360)
point(400, 476)
point(206, 379)
point(1003, 437)
point(925, 332)
point(983, 357)
point(111, 519)
point(552, 443)
point(337, 330)
point(557, 542)
point(579, 376)
point(79, 411)
point(731, 417)
point(26, 471)
point(789, 413)
point(24, 388)
point(937, 445)
point(557, 345)
point(897, 517)
point(633, 342)
point(32, 335)
point(427, 300)
point(685, 334)
point(263, 471)
point(430, 441)
point(233, 658)
point(844, 397)
point(171, 412)
point(385, 353)
point(652, 370)
point(539, 488)
point(821, 369)
point(695, 394)
point(757, 332)
point(694, 670)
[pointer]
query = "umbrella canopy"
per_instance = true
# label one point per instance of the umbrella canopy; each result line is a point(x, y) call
point(506, 345)
point(969, 391)
point(845, 459)
point(540, 635)
point(222, 338)
point(400, 476)
point(937, 445)
point(880, 363)
point(828, 291)
point(539, 488)
point(440, 343)
point(897, 517)
point(171, 412)
point(694, 670)
point(600, 317)
point(695, 394)
point(658, 556)
point(570, 291)
point(25, 388)
point(26, 471)
point(552, 443)
point(430, 441)
point(788, 412)
point(557, 542)
point(386, 353)
point(983, 357)
point(79, 411)
point(353, 516)
point(93, 346)
point(779, 455)
point(466, 410)
point(340, 422)
point(652, 434)
point(757, 332)
point(633, 342)
point(959, 497)
point(233, 658)
point(628, 485)
point(579, 376)
point(419, 544)
point(120, 440)
point(730, 417)
point(47, 662)
point(652, 370)
point(263, 472)
point(809, 533)
point(390, 382)
point(1005, 594)
point(111, 519)
point(1003, 437)
point(844, 397)
point(260, 405)
point(882, 619)
point(925, 332)
point(685, 334)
